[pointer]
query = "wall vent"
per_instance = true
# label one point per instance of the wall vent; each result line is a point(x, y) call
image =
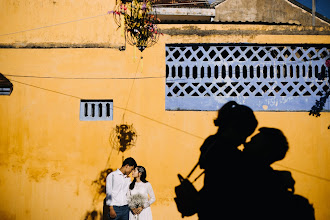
point(96, 110)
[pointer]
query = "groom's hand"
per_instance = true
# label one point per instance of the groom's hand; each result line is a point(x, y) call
point(112, 212)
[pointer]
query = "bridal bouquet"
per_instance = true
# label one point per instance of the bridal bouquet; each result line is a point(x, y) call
point(136, 201)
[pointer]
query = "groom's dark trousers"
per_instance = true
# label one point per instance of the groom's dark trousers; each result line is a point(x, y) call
point(121, 211)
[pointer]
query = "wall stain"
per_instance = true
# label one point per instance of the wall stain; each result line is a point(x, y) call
point(54, 176)
point(194, 30)
point(4, 215)
point(36, 174)
point(17, 167)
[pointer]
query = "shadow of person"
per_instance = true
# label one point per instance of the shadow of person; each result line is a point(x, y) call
point(242, 184)
point(266, 193)
point(222, 161)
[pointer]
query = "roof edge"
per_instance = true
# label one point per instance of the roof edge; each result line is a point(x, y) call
point(216, 3)
point(318, 15)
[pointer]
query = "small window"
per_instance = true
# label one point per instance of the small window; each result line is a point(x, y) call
point(96, 110)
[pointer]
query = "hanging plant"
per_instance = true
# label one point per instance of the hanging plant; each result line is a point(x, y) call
point(139, 22)
point(123, 137)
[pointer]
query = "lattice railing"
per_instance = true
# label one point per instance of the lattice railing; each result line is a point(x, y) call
point(264, 77)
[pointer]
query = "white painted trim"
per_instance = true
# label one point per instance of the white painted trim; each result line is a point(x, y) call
point(184, 11)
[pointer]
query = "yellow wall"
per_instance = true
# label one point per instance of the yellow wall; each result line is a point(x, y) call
point(49, 158)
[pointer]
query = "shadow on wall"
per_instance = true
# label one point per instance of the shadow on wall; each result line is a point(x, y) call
point(99, 194)
point(242, 184)
point(122, 138)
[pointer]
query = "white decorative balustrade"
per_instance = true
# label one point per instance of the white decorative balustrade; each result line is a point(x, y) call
point(264, 77)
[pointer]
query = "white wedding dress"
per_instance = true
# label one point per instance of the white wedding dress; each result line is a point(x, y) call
point(146, 190)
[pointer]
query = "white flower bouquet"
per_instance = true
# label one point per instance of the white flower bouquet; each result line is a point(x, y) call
point(136, 201)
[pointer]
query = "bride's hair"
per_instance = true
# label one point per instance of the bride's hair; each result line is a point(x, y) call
point(143, 176)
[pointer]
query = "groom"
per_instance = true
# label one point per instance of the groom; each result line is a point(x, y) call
point(117, 184)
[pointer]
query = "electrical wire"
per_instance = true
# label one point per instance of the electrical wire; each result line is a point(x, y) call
point(118, 107)
point(130, 91)
point(166, 125)
point(48, 26)
point(84, 78)
point(125, 109)
point(82, 19)
point(287, 64)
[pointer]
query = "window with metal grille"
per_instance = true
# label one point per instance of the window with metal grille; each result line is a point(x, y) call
point(264, 77)
point(96, 110)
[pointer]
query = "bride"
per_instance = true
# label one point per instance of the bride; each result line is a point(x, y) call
point(141, 186)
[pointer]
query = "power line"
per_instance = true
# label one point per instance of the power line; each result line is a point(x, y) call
point(167, 125)
point(130, 91)
point(49, 90)
point(303, 172)
point(83, 78)
point(48, 26)
point(124, 109)
point(82, 19)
